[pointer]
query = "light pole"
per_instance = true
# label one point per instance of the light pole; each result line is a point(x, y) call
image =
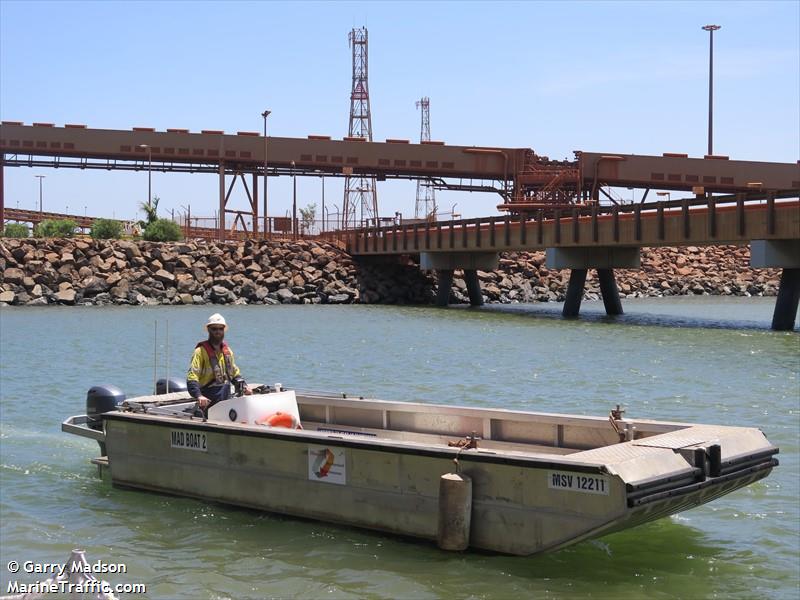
point(149, 173)
point(40, 177)
point(323, 204)
point(294, 202)
point(265, 114)
point(710, 29)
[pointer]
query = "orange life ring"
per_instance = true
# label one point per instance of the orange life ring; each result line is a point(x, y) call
point(280, 419)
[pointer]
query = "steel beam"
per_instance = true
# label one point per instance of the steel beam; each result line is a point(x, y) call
point(445, 278)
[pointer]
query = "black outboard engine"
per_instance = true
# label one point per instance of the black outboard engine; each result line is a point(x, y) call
point(101, 399)
point(168, 386)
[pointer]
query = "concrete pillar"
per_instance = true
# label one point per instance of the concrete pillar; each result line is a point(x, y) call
point(485, 261)
point(605, 260)
point(572, 303)
point(473, 287)
point(788, 299)
point(445, 277)
point(784, 254)
point(608, 288)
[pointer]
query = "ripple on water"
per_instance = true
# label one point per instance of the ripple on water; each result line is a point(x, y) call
point(703, 360)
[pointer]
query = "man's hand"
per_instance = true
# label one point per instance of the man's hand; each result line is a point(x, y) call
point(202, 402)
point(248, 391)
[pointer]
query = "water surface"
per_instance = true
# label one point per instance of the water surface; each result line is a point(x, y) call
point(691, 359)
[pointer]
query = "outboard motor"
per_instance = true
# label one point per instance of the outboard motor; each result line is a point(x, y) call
point(102, 399)
point(168, 386)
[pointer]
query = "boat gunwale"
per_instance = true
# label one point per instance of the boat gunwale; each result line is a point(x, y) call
point(323, 398)
point(381, 445)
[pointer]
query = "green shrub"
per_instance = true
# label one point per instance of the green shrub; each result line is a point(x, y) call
point(163, 230)
point(16, 230)
point(106, 229)
point(59, 228)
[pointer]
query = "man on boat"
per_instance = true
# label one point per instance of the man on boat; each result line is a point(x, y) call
point(213, 369)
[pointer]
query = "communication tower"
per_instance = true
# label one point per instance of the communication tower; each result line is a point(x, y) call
point(360, 206)
point(425, 207)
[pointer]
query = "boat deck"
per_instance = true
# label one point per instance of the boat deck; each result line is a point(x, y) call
point(637, 450)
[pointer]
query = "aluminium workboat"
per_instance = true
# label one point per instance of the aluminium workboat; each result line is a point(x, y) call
point(538, 481)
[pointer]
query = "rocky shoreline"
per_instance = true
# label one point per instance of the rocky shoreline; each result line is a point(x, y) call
point(97, 272)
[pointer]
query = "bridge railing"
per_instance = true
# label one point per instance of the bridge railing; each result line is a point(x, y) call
point(495, 231)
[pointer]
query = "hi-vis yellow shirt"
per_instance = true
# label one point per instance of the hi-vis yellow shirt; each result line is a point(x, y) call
point(202, 371)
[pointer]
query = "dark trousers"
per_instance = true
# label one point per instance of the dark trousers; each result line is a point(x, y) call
point(214, 393)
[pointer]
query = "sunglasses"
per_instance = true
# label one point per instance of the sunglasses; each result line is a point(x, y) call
point(216, 329)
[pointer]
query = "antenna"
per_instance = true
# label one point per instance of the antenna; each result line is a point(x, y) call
point(166, 358)
point(155, 355)
point(425, 207)
point(360, 193)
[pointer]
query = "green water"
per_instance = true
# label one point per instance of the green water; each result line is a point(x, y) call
point(700, 359)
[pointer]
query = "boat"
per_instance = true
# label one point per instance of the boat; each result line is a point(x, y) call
point(503, 481)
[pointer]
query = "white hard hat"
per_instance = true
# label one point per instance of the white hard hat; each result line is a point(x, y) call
point(216, 319)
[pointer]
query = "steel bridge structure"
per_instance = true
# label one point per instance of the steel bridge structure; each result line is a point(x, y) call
point(554, 205)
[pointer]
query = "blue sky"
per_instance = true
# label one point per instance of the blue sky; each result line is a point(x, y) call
point(554, 76)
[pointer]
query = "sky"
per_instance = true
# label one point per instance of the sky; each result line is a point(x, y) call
point(622, 77)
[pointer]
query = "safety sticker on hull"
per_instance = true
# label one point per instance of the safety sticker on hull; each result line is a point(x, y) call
point(327, 464)
point(577, 482)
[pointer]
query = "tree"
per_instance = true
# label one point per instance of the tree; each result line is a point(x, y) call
point(307, 217)
point(55, 228)
point(16, 230)
point(163, 230)
point(150, 210)
point(106, 229)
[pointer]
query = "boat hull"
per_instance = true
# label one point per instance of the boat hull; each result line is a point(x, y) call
point(516, 509)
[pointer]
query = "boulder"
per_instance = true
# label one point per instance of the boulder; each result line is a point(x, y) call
point(164, 277)
point(338, 299)
point(66, 296)
point(93, 286)
point(13, 275)
point(8, 297)
point(221, 295)
point(285, 296)
point(130, 249)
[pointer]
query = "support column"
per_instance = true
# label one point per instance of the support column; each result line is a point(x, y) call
point(788, 299)
point(609, 291)
point(221, 217)
point(254, 204)
point(445, 277)
point(572, 303)
point(604, 260)
point(786, 255)
point(473, 287)
point(2, 194)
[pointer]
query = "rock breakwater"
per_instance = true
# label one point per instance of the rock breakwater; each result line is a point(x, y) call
point(77, 271)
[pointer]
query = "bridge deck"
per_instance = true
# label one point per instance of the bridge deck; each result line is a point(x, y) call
point(685, 225)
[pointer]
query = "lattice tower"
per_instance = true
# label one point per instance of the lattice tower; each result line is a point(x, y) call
point(360, 206)
point(425, 207)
